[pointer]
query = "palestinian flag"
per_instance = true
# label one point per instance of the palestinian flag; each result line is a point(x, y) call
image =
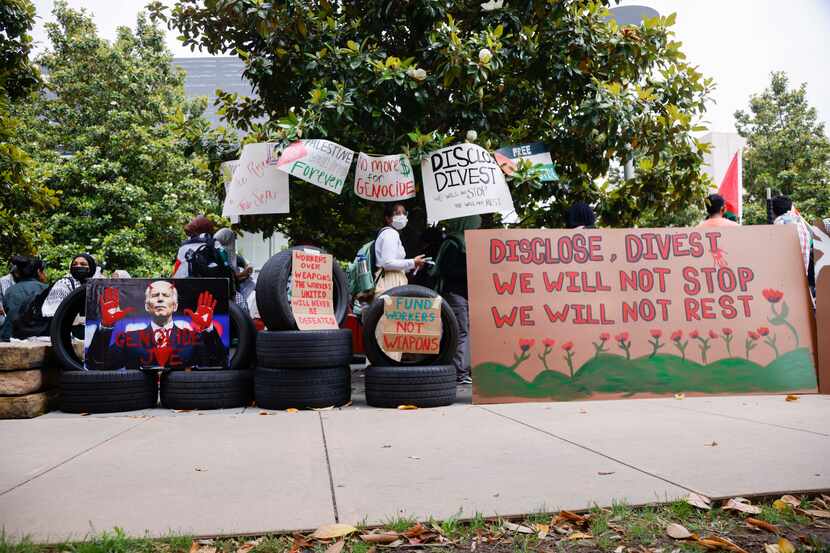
point(731, 188)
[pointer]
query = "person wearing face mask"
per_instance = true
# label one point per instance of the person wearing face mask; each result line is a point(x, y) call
point(81, 269)
point(390, 256)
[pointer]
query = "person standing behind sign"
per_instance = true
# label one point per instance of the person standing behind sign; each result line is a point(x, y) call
point(81, 268)
point(390, 255)
point(785, 214)
point(451, 273)
point(716, 210)
point(30, 281)
point(580, 215)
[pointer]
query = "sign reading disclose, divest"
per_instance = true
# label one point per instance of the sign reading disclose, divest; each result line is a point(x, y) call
point(320, 162)
point(411, 325)
point(255, 187)
point(312, 293)
point(612, 313)
point(462, 180)
point(384, 178)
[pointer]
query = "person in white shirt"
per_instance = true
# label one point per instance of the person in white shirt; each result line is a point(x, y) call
point(390, 256)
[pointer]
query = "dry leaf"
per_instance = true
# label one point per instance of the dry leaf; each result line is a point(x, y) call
point(194, 547)
point(779, 505)
point(84, 414)
point(715, 542)
point(679, 396)
point(771, 548)
point(567, 516)
point(407, 407)
point(328, 531)
point(517, 528)
point(742, 506)
point(713, 444)
point(248, 545)
point(202, 547)
point(291, 410)
point(415, 531)
point(579, 536)
point(336, 547)
point(200, 469)
point(385, 537)
point(605, 473)
point(791, 501)
point(816, 513)
point(699, 501)
point(677, 532)
point(785, 546)
point(182, 410)
point(763, 524)
point(264, 413)
point(329, 408)
point(791, 398)
point(619, 549)
point(542, 530)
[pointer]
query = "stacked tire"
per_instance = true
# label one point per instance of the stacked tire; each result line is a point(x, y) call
point(305, 369)
point(419, 380)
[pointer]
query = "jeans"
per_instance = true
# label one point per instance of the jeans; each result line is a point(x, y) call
point(461, 308)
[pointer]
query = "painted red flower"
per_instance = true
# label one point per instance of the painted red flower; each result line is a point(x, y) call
point(752, 334)
point(568, 346)
point(713, 334)
point(677, 335)
point(621, 337)
point(694, 334)
point(772, 296)
point(605, 336)
point(727, 331)
point(549, 342)
point(763, 331)
point(656, 332)
point(526, 343)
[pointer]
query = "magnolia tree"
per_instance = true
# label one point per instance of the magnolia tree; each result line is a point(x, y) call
point(388, 77)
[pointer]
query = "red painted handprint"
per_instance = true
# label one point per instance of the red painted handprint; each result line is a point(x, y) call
point(202, 319)
point(111, 311)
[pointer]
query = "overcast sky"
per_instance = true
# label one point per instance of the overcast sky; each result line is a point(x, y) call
point(738, 42)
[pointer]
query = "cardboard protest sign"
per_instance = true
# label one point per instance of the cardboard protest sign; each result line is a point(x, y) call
point(535, 152)
point(612, 313)
point(411, 325)
point(256, 186)
point(463, 180)
point(384, 178)
point(312, 291)
point(152, 323)
point(821, 260)
point(320, 162)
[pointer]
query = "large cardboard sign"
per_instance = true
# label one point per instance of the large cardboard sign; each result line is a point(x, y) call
point(411, 325)
point(320, 162)
point(821, 259)
point(612, 313)
point(535, 152)
point(256, 187)
point(462, 180)
point(312, 290)
point(157, 323)
point(384, 178)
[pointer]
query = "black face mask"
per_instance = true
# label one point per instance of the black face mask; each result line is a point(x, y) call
point(80, 273)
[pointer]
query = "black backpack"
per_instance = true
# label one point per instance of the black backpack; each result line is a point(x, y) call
point(31, 321)
point(206, 261)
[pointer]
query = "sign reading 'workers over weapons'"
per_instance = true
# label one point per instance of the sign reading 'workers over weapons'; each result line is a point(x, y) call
point(312, 291)
point(320, 162)
point(612, 313)
point(463, 180)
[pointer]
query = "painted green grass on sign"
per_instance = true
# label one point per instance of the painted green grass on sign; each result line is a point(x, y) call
point(660, 374)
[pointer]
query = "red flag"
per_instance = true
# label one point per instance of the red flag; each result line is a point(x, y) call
point(730, 188)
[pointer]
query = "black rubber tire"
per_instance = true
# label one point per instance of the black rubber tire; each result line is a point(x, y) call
point(422, 386)
point(449, 334)
point(272, 291)
point(60, 330)
point(61, 333)
point(107, 391)
point(302, 388)
point(290, 349)
point(210, 389)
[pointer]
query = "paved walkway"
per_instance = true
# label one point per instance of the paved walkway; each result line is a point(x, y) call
point(238, 471)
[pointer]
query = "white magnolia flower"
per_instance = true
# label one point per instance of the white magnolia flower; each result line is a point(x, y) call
point(472, 136)
point(492, 5)
point(485, 55)
point(417, 74)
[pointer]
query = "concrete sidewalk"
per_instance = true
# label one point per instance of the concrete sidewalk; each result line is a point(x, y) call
point(238, 471)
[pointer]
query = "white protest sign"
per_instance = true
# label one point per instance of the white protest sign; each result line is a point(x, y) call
point(320, 162)
point(256, 186)
point(462, 180)
point(228, 168)
point(384, 178)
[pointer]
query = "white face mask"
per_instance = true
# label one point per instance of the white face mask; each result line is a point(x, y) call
point(399, 222)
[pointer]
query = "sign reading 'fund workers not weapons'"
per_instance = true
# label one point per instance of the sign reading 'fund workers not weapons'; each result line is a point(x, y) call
point(320, 162)
point(463, 180)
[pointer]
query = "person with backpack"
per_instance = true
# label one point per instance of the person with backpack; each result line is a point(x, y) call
point(450, 271)
point(200, 239)
point(29, 289)
point(390, 255)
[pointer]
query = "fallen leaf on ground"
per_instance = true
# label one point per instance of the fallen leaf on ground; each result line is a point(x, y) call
point(407, 407)
point(579, 536)
point(414, 531)
point(336, 547)
point(699, 501)
point(779, 505)
point(265, 413)
point(248, 545)
point(791, 500)
point(414, 458)
point(291, 410)
point(200, 469)
point(677, 532)
point(785, 546)
point(679, 396)
point(791, 398)
point(182, 410)
point(821, 503)
point(713, 444)
point(763, 524)
point(385, 537)
point(84, 414)
point(743, 505)
point(715, 542)
point(542, 530)
point(328, 531)
point(329, 408)
point(771, 548)
point(196, 547)
point(605, 473)
point(619, 549)
point(521, 529)
point(816, 513)
point(567, 516)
